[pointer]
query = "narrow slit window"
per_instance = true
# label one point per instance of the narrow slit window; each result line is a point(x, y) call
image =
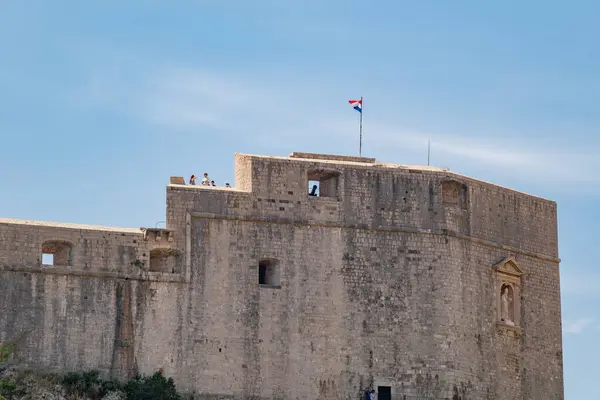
point(313, 188)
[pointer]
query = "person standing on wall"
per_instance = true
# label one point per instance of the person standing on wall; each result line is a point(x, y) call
point(206, 180)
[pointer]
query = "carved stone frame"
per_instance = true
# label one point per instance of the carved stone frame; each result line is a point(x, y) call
point(507, 272)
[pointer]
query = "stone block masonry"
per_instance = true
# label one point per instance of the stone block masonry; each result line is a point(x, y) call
point(413, 280)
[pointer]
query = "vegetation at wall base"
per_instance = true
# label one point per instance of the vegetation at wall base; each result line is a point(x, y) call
point(153, 387)
point(17, 384)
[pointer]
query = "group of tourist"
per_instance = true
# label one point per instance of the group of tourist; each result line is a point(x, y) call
point(205, 181)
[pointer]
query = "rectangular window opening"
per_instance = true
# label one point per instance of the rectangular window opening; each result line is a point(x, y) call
point(47, 259)
point(323, 183)
point(384, 393)
point(455, 194)
point(313, 188)
point(268, 273)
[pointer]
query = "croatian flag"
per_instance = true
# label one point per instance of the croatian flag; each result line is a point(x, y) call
point(356, 104)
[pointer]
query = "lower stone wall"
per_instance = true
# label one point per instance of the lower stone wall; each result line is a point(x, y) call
point(354, 308)
point(59, 321)
point(77, 323)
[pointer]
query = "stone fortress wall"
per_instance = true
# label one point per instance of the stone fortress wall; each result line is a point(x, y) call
point(392, 277)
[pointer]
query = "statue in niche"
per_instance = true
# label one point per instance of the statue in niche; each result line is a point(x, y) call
point(506, 312)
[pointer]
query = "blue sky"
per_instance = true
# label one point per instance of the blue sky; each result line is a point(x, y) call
point(100, 102)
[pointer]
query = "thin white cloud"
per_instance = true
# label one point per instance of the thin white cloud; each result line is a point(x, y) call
point(193, 99)
point(458, 152)
point(276, 110)
point(578, 326)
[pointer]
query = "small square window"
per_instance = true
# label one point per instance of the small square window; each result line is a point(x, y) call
point(268, 273)
point(47, 259)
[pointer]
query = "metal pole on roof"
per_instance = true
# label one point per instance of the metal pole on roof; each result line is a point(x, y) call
point(428, 150)
point(360, 140)
point(156, 225)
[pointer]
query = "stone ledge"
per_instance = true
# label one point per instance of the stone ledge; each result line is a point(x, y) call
point(177, 187)
point(503, 329)
point(331, 157)
point(65, 225)
point(262, 286)
point(324, 199)
point(80, 272)
point(157, 234)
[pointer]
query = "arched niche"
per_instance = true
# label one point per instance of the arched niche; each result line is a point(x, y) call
point(507, 304)
point(507, 292)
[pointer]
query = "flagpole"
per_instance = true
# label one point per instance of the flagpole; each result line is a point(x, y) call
point(360, 134)
point(428, 150)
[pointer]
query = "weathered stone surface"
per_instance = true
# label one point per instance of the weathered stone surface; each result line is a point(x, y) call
point(393, 280)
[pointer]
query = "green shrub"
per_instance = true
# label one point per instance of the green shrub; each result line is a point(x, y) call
point(81, 383)
point(88, 384)
point(5, 352)
point(8, 387)
point(155, 387)
point(110, 386)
